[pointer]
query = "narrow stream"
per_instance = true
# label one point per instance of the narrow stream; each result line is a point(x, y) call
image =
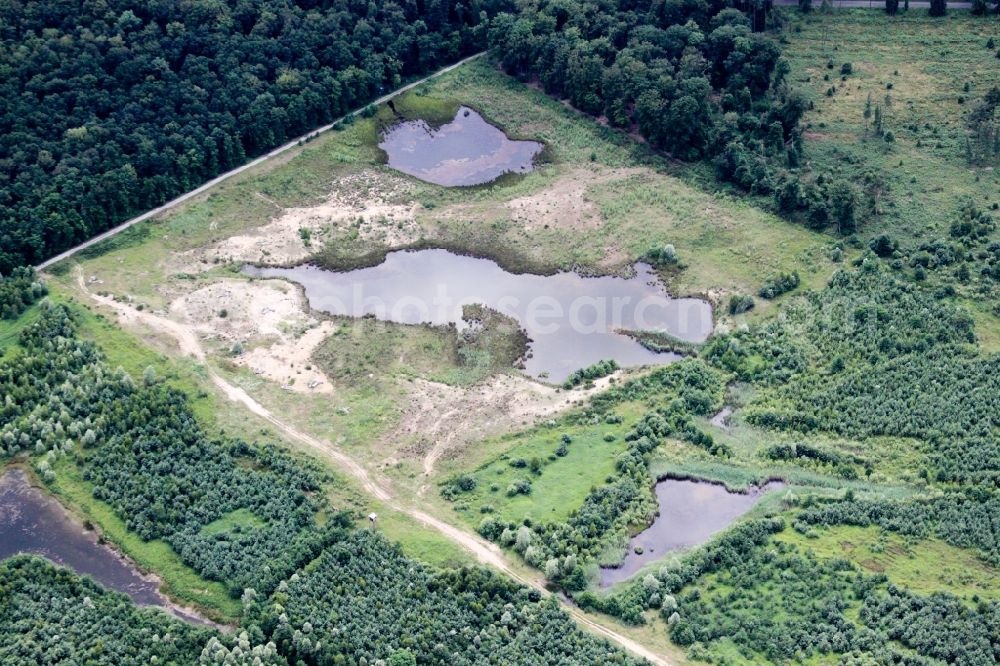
point(33, 522)
point(691, 512)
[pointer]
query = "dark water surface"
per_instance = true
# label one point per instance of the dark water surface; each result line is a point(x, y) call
point(33, 522)
point(690, 513)
point(573, 321)
point(466, 151)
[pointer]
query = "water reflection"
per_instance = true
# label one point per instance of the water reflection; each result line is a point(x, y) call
point(691, 512)
point(33, 522)
point(466, 151)
point(573, 321)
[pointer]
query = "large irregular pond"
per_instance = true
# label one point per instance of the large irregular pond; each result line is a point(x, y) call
point(573, 321)
point(33, 522)
point(466, 151)
point(691, 512)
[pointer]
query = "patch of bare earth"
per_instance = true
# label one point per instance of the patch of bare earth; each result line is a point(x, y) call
point(441, 420)
point(268, 320)
point(564, 203)
point(366, 202)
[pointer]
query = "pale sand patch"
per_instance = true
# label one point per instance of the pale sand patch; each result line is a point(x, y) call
point(564, 203)
point(267, 317)
point(361, 201)
point(446, 418)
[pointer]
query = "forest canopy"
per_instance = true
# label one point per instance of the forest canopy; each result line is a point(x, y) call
point(108, 109)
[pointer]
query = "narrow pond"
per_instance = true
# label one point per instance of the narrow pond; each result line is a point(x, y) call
point(573, 321)
point(690, 513)
point(33, 522)
point(466, 151)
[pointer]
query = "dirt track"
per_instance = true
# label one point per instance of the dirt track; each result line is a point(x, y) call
point(484, 551)
point(173, 203)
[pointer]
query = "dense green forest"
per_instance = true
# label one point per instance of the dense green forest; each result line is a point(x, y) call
point(146, 456)
point(49, 615)
point(363, 599)
point(108, 109)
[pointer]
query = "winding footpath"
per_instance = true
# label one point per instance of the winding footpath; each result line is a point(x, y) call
point(485, 552)
point(190, 345)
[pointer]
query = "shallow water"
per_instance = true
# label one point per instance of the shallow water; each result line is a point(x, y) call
point(466, 151)
point(721, 420)
point(571, 320)
point(690, 513)
point(33, 522)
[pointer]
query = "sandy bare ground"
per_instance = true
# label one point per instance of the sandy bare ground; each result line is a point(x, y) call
point(268, 319)
point(564, 203)
point(361, 202)
point(484, 551)
point(452, 417)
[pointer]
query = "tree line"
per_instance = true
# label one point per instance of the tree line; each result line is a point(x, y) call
point(140, 447)
point(112, 108)
point(18, 291)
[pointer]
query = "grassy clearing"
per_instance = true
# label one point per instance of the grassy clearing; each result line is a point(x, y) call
point(561, 483)
point(927, 74)
point(369, 352)
point(928, 63)
point(422, 543)
point(924, 566)
point(10, 330)
point(366, 353)
point(241, 518)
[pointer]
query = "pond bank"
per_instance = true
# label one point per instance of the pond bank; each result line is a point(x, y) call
point(31, 521)
point(691, 512)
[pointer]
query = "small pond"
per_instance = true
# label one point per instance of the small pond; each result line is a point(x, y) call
point(33, 522)
point(466, 151)
point(573, 321)
point(690, 513)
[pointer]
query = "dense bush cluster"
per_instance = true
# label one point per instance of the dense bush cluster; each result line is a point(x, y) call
point(693, 77)
point(146, 456)
point(111, 108)
point(49, 615)
point(595, 371)
point(775, 602)
point(965, 262)
point(19, 290)
point(873, 343)
point(957, 413)
point(362, 600)
point(842, 464)
point(778, 285)
point(781, 603)
point(939, 626)
point(675, 393)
